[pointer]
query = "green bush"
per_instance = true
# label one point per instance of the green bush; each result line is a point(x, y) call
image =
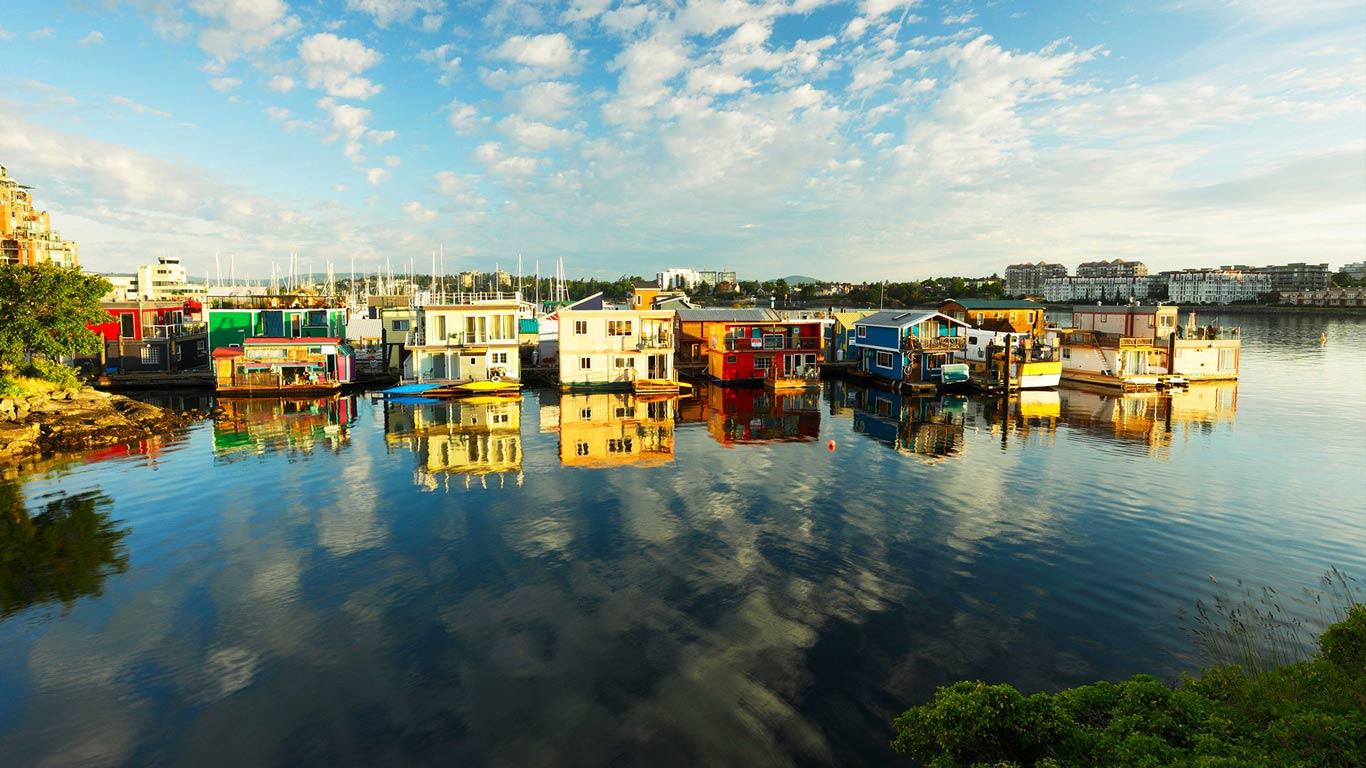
point(49, 370)
point(1310, 714)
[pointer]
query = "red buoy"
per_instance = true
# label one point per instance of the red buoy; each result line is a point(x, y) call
point(830, 445)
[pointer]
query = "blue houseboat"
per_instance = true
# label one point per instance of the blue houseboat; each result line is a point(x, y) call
point(911, 348)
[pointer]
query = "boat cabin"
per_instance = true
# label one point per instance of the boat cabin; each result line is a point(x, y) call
point(476, 341)
point(280, 366)
point(913, 346)
point(750, 351)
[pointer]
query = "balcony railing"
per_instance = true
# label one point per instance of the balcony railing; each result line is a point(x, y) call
point(659, 341)
point(419, 338)
point(173, 330)
point(934, 343)
point(787, 343)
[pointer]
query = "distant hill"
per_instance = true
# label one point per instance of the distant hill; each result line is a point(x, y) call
point(799, 280)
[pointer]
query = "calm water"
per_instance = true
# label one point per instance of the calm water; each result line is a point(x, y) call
point(598, 580)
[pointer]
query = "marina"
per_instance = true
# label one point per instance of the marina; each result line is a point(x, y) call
point(578, 560)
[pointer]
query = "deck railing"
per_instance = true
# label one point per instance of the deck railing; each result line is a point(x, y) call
point(788, 343)
point(934, 343)
point(173, 330)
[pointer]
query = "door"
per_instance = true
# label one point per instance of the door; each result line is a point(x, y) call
point(439, 366)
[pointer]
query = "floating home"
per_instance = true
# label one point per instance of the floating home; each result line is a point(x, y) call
point(149, 337)
point(1139, 347)
point(999, 357)
point(231, 326)
point(911, 347)
point(839, 337)
point(604, 429)
point(283, 367)
point(1026, 317)
point(783, 354)
point(614, 349)
point(471, 339)
point(694, 327)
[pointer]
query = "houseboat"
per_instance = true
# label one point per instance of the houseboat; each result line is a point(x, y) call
point(1017, 315)
point(465, 344)
point(1174, 354)
point(230, 326)
point(1125, 363)
point(283, 367)
point(610, 349)
point(782, 354)
point(145, 340)
point(1000, 358)
point(911, 348)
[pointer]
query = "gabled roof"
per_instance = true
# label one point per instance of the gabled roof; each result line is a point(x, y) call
point(646, 284)
point(994, 303)
point(847, 319)
point(727, 315)
point(901, 318)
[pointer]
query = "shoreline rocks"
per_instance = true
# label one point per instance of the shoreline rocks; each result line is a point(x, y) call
point(70, 420)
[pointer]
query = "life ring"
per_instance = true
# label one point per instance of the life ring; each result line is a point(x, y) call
point(496, 377)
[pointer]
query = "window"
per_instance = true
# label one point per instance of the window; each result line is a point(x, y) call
point(580, 327)
point(619, 445)
point(126, 326)
point(1228, 359)
point(625, 413)
point(972, 340)
point(730, 359)
point(810, 359)
point(586, 414)
point(400, 325)
point(1029, 317)
point(474, 361)
point(585, 363)
point(1066, 353)
point(862, 331)
point(763, 363)
point(580, 448)
point(773, 341)
point(499, 358)
point(884, 359)
point(151, 355)
point(624, 362)
point(618, 327)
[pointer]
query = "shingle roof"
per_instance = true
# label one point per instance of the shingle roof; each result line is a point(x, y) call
point(727, 315)
point(896, 318)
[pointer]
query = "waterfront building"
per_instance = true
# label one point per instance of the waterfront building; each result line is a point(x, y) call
point(608, 348)
point(1297, 276)
point(148, 337)
point(1022, 316)
point(166, 280)
point(1114, 268)
point(694, 327)
point(283, 366)
point(911, 346)
point(1102, 288)
point(683, 278)
point(605, 429)
point(1137, 347)
point(396, 327)
point(231, 326)
point(752, 351)
point(649, 295)
point(1331, 297)
point(1217, 286)
point(474, 338)
point(1022, 279)
point(839, 336)
point(1152, 322)
point(471, 439)
point(26, 234)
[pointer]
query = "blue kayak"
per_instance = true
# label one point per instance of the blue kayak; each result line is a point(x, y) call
point(409, 389)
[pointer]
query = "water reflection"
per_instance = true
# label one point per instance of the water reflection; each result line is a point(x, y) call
point(929, 428)
point(471, 440)
point(62, 553)
point(1150, 419)
point(609, 428)
point(260, 425)
point(752, 415)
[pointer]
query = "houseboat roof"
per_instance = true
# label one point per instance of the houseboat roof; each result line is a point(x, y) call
point(226, 352)
point(727, 315)
point(900, 318)
point(1121, 309)
point(993, 303)
point(302, 340)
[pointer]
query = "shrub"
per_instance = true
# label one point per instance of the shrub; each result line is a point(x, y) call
point(50, 370)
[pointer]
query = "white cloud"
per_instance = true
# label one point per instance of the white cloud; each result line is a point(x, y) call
point(646, 68)
point(41, 33)
point(463, 118)
point(5, 34)
point(277, 113)
point(875, 8)
point(335, 64)
point(432, 22)
point(584, 10)
point(376, 176)
point(961, 18)
point(444, 59)
point(550, 51)
point(133, 106)
point(386, 12)
point(418, 213)
point(381, 137)
point(548, 100)
point(224, 84)
point(491, 156)
point(94, 37)
point(237, 27)
point(281, 84)
point(532, 135)
point(393, 161)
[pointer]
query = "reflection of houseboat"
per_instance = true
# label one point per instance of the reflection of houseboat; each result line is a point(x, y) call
point(604, 429)
point(746, 415)
point(929, 427)
point(257, 425)
point(911, 348)
point(283, 366)
point(470, 438)
point(1001, 358)
point(1150, 417)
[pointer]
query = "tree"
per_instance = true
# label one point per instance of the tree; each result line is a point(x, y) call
point(45, 310)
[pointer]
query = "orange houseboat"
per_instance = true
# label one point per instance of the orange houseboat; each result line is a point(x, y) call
point(283, 366)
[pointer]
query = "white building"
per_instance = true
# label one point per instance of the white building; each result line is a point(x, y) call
point(613, 348)
point(682, 278)
point(165, 280)
point(125, 288)
point(1216, 286)
point(1103, 289)
point(474, 341)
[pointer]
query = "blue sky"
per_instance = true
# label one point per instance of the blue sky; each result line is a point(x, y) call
point(865, 140)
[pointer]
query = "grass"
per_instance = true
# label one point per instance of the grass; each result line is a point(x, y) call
point(1272, 699)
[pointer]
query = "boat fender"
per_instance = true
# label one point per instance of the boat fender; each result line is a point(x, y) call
point(496, 377)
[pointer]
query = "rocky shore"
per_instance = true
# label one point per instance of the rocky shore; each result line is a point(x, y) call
point(78, 420)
